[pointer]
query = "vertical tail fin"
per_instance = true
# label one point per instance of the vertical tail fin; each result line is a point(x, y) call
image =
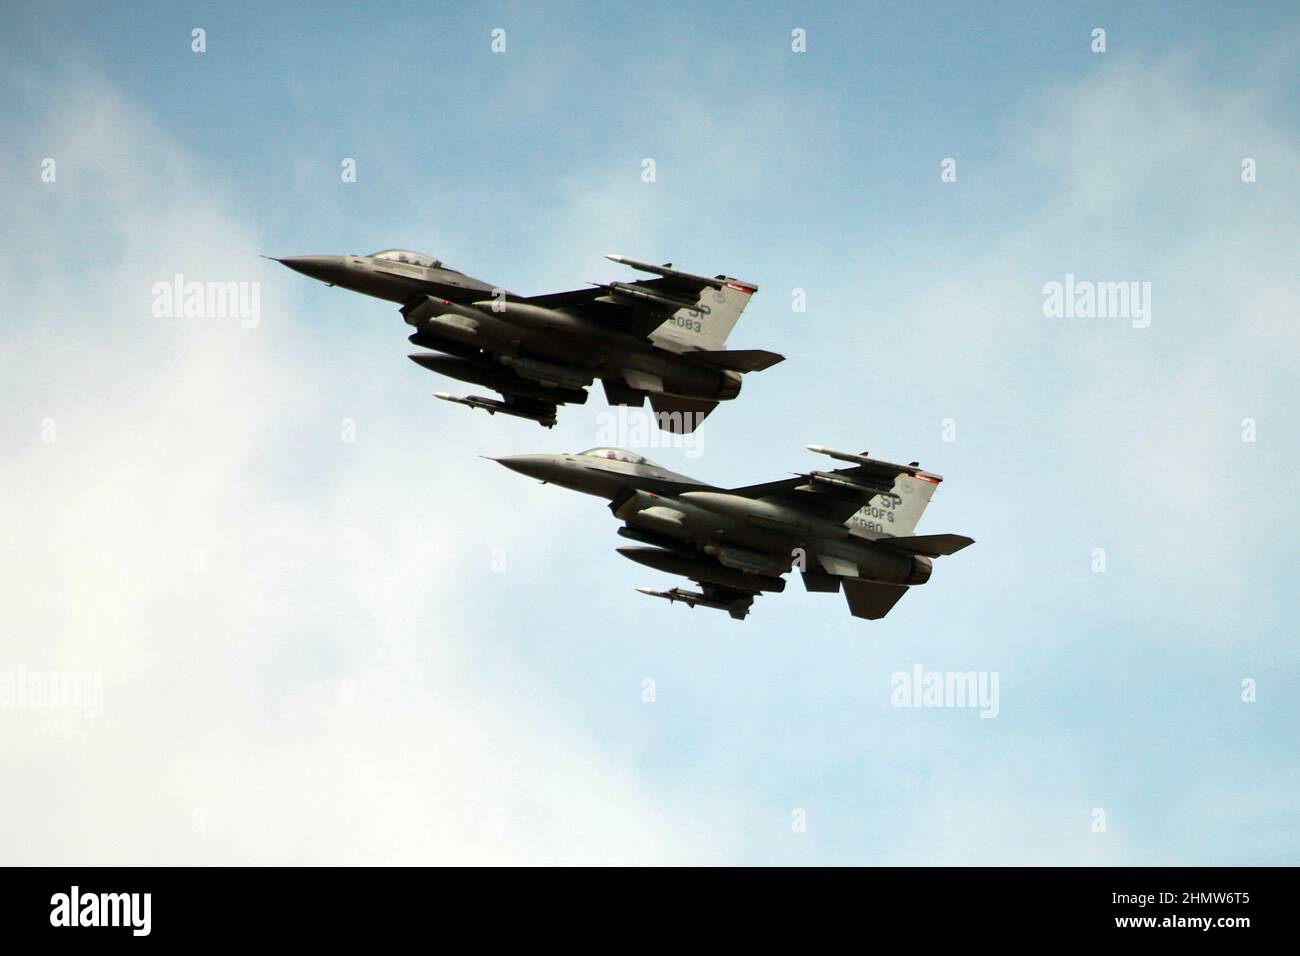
point(896, 516)
point(895, 512)
point(705, 324)
point(708, 325)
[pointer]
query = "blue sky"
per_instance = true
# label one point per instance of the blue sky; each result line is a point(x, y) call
point(309, 649)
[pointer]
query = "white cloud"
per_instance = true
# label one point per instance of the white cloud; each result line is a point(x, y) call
point(286, 624)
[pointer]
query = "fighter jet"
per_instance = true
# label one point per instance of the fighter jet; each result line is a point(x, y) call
point(663, 337)
point(850, 527)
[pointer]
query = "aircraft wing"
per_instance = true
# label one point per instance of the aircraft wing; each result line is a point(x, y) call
point(837, 494)
point(830, 502)
point(637, 316)
point(642, 306)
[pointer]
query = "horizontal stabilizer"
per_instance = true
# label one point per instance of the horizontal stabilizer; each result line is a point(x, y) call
point(738, 360)
point(931, 545)
point(871, 600)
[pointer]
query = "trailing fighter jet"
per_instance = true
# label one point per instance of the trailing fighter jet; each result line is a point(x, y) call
point(663, 337)
point(850, 527)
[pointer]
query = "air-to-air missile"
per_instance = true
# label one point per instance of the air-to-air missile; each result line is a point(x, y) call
point(491, 406)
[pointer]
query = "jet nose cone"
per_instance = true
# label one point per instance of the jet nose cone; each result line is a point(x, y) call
point(324, 268)
point(541, 467)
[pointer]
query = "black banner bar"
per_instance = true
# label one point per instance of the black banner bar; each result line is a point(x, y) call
point(333, 906)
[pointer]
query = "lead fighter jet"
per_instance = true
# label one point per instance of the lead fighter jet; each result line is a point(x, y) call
point(661, 338)
point(851, 527)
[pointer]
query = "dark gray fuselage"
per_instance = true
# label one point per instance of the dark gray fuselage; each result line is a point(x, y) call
point(446, 321)
point(649, 498)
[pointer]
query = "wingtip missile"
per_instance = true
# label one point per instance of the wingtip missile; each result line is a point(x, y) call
point(914, 468)
point(668, 272)
point(861, 458)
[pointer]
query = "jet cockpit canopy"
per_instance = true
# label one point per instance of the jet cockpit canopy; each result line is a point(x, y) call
point(615, 454)
point(407, 256)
